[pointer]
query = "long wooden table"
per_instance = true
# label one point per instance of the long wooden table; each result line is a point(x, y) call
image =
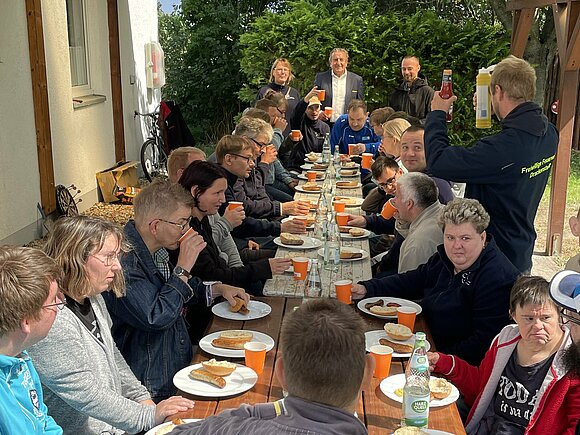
point(379, 413)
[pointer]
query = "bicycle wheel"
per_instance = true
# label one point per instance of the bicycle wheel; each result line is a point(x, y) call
point(153, 160)
point(65, 203)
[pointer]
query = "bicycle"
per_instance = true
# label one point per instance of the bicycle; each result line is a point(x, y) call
point(153, 155)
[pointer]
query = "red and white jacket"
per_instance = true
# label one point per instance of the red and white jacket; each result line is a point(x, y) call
point(557, 410)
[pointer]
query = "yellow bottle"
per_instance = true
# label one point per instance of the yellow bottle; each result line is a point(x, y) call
point(483, 109)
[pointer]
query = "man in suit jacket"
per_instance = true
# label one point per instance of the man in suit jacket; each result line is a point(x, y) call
point(341, 86)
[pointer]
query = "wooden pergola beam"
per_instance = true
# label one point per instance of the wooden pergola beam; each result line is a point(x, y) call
point(573, 51)
point(40, 103)
point(515, 5)
point(116, 88)
point(522, 24)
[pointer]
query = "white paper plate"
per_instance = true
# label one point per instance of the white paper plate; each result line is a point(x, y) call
point(365, 254)
point(349, 165)
point(348, 236)
point(308, 167)
point(402, 302)
point(154, 430)
point(390, 384)
point(354, 202)
point(358, 185)
point(205, 344)
point(318, 177)
point(242, 379)
point(289, 218)
point(373, 337)
point(309, 243)
point(257, 310)
point(300, 189)
point(343, 175)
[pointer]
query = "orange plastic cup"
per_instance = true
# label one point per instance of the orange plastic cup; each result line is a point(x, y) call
point(235, 204)
point(321, 94)
point(295, 135)
point(328, 111)
point(366, 160)
point(189, 231)
point(406, 316)
point(351, 149)
point(382, 355)
point(339, 206)
point(255, 355)
point(311, 175)
point(342, 219)
point(344, 291)
point(300, 265)
point(388, 209)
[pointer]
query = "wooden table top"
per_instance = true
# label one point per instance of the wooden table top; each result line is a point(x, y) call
point(379, 413)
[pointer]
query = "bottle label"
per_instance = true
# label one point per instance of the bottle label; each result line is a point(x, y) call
point(415, 410)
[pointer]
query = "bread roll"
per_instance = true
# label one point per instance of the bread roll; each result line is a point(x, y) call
point(409, 430)
point(219, 368)
point(397, 332)
point(383, 310)
point(356, 232)
point(440, 388)
point(229, 343)
point(240, 307)
point(311, 187)
point(237, 334)
point(346, 183)
point(291, 239)
point(397, 347)
point(349, 255)
point(205, 376)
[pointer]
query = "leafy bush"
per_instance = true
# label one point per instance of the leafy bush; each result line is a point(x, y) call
point(306, 32)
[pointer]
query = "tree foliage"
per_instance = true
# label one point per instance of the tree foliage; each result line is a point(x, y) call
point(306, 32)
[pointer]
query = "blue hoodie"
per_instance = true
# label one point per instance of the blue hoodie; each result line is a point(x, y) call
point(342, 135)
point(22, 408)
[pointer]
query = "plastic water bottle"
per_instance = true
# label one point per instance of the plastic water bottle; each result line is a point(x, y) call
point(321, 222)
point(332, 245)
point(483, 108)
point(416, 391)
point(326, 149)
point(313, 288)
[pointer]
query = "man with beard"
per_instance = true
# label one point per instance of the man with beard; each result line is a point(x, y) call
point(413, 95)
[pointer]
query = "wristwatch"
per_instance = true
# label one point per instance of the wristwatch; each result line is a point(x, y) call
point(180, 271)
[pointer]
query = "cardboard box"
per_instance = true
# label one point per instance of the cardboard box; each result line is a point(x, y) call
point(121, 175)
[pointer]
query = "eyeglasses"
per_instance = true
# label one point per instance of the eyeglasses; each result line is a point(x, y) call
point(387, 183)
point(60, 305)
point(260, 144)
point(281, 112)
point(181, 226)
point(109, 258)
point(249, 160)
point(568, 318)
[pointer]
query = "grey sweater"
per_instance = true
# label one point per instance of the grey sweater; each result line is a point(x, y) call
point(88, 386)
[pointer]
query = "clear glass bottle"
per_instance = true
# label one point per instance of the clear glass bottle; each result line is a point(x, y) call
point(336, 161)
point(313, 287)
point(416, 391)
point(326, 149)
point(332, 245)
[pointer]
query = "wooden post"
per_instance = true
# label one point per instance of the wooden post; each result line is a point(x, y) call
point(40, 102)
point(522, 23)
point(116, 89)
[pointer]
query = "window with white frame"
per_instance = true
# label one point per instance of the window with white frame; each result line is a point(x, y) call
point(77, 42)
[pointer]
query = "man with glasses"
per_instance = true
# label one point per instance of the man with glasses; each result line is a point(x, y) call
point(29, 303)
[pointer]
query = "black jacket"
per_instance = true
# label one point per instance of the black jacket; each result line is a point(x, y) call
point(415, 100)
point(507, 173)
point(292, 97)
point(313, 133)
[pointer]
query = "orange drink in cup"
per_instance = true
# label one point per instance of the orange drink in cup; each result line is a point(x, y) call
point(344, 291)
point(321, 94)
point(342, 219)
point(388, 209)
point(295, 135)
point(328, 111)
point(382, 355)
point(235, 204)
point(339, 206)
point(255, 355)
point(300, 265)
point(189, 231)
point(366, 160)
point(311, 175)
point(406, 316)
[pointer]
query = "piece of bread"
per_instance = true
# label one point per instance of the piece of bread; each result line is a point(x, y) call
point(291, 239)
point(348, 171)
point(170, 426)
point(349, 255)
point(397, 347)
point(237, 334)
point(383, 310)
point(440, 388)
point(352, 183)
point(346, 200)
point(348, 164)
point(398, 332)
point(319, 166)
point(311, 187)
point(409, 430)
point(357, 232)
point(229, 343)
point(240, 307)
point(210, 378)
point(219, 368)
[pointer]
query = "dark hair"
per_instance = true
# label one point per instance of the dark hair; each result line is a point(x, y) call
point(201, 174)
point(264, 104)
point(381, 163)
point(530, 290)
point(414, 128)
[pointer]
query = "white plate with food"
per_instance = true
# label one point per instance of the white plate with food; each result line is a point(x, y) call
point(314, 167)
point(365, 304)
point(319, 176)
point(349, 254)
point(242, 379)
point(349, 165)
point(307, 242)
point(300, 188)
point(347, 232)
point(350, 201)
point(392, 387)
point(349, 173)
point(168, 426)
point(206, 344)
point(309, 220)
point(348, 184)
point(401, 348)
point(312, 157)
point(256, 310)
